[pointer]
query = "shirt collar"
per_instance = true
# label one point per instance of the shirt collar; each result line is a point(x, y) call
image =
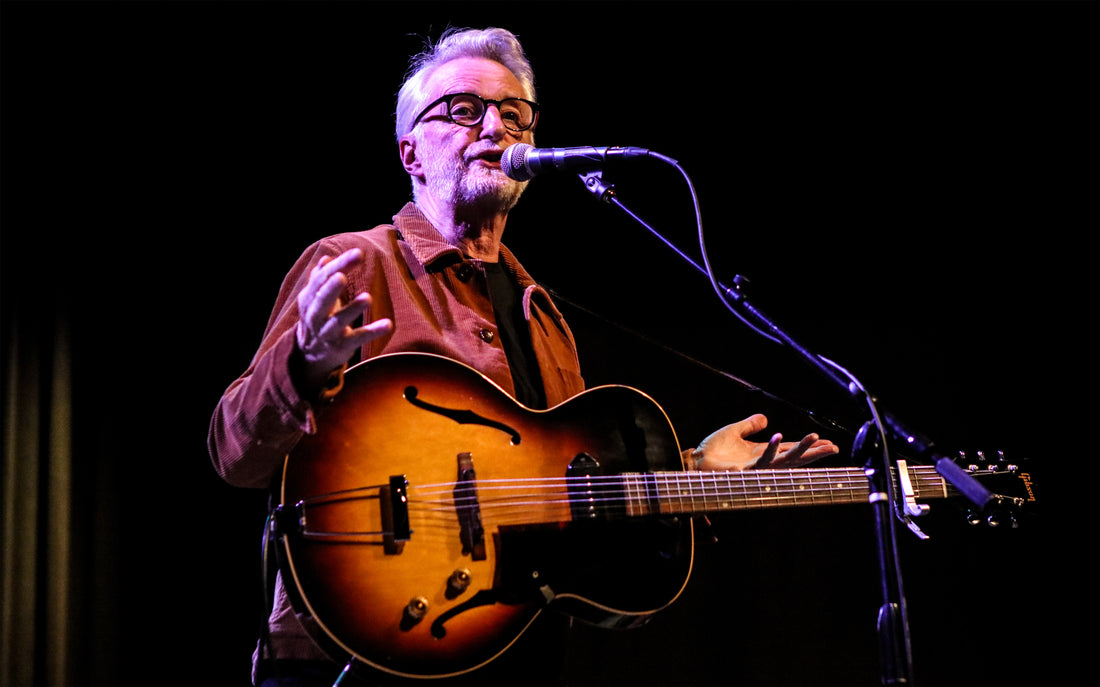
point(433, 251)
point(427, 244)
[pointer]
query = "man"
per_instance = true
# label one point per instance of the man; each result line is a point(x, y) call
point(437, 280)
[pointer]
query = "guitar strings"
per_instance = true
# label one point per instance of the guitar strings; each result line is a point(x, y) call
point(733, 483)
point(549, 500)
point(604, 494)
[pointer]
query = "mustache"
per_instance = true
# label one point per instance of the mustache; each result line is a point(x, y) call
point(487, 150)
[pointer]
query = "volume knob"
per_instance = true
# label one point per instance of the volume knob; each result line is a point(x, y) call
point(417, 608)
point(459, 581)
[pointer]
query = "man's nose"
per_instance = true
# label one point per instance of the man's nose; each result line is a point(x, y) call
point(492, 124)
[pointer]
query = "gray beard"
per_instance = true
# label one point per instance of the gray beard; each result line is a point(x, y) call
point(476, 189)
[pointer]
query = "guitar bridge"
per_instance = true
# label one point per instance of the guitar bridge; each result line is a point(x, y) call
point(395, 515)
point(468, 508)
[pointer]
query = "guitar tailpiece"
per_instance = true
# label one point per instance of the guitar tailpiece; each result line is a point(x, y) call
point(287, 520)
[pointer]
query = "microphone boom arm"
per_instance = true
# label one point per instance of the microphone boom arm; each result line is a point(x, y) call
point(735, 300)
point(892, 624)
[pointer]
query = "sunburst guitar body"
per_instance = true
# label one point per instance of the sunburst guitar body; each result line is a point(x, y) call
point(432, 517)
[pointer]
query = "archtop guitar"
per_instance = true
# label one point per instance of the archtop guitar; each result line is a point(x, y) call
point(432, 517)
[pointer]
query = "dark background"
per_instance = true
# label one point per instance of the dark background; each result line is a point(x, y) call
point(909, 186)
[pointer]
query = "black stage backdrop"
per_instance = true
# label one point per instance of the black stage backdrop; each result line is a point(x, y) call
point(909, 186)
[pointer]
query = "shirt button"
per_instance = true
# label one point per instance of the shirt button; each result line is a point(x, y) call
point(487, 335)
point(464, 272)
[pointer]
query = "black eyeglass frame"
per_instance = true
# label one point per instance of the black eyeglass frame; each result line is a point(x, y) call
point(486, 103)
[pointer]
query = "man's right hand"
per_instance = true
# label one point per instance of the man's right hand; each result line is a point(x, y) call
point(325, 336)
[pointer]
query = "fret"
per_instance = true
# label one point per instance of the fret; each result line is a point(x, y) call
point(798, 488)
point(670, 502)
point(712, 494)
point(768, 488)
point(773, 489)
point(731, 500)
point(697, 491)
point(678, 506)
point(633, 495)
point(928, 483)
point(850, 486)
point(802, 487)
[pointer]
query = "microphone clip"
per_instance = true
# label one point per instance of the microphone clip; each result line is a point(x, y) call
point(593, 181)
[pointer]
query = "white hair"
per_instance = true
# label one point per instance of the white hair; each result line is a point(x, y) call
point(499, 45)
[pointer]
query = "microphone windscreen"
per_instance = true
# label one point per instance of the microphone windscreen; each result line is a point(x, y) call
point(514, 162)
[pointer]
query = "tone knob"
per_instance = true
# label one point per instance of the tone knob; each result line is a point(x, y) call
point(417, 608)
point(459, 581)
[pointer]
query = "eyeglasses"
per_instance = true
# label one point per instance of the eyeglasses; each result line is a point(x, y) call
point(467, 109)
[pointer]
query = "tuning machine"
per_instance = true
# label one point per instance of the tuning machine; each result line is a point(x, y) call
point(983, 461)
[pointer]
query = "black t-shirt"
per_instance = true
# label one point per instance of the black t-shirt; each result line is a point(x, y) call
point(515, 335)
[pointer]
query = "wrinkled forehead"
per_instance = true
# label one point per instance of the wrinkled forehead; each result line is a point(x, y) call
point(480, 76)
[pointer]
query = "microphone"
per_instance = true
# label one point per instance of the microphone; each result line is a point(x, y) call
point(522, 161)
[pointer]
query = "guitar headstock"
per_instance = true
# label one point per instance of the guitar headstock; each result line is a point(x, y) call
point(1012, 483)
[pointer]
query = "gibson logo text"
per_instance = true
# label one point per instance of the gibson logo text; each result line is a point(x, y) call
point(1026, 478)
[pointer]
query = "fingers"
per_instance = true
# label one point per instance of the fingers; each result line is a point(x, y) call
point(319, 300)
point(327, 282)
point(328, 266)
point(325, 334)
point(327, 279)
point(369, 332)
point(335, 337)
point(806, 451)
point(770, 451)
point(791, 455)
point(342, 318)
point(323, 321)
point(327, 269)
point(321, 308)
point(752, 424)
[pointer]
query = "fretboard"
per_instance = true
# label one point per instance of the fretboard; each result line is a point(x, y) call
point(655, 493)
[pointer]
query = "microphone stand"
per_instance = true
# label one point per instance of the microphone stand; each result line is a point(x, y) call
point(870, 444)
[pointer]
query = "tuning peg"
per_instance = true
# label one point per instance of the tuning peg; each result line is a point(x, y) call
point(1003, 518)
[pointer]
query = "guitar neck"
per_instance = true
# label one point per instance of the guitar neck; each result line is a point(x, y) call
point(656, 493)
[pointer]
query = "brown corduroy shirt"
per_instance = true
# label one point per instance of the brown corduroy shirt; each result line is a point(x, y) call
point(439, 302)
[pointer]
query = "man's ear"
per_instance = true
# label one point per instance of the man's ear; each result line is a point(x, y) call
point(406, 148)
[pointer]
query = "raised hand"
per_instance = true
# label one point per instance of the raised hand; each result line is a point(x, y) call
point(729, 448)
point(324, 334)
